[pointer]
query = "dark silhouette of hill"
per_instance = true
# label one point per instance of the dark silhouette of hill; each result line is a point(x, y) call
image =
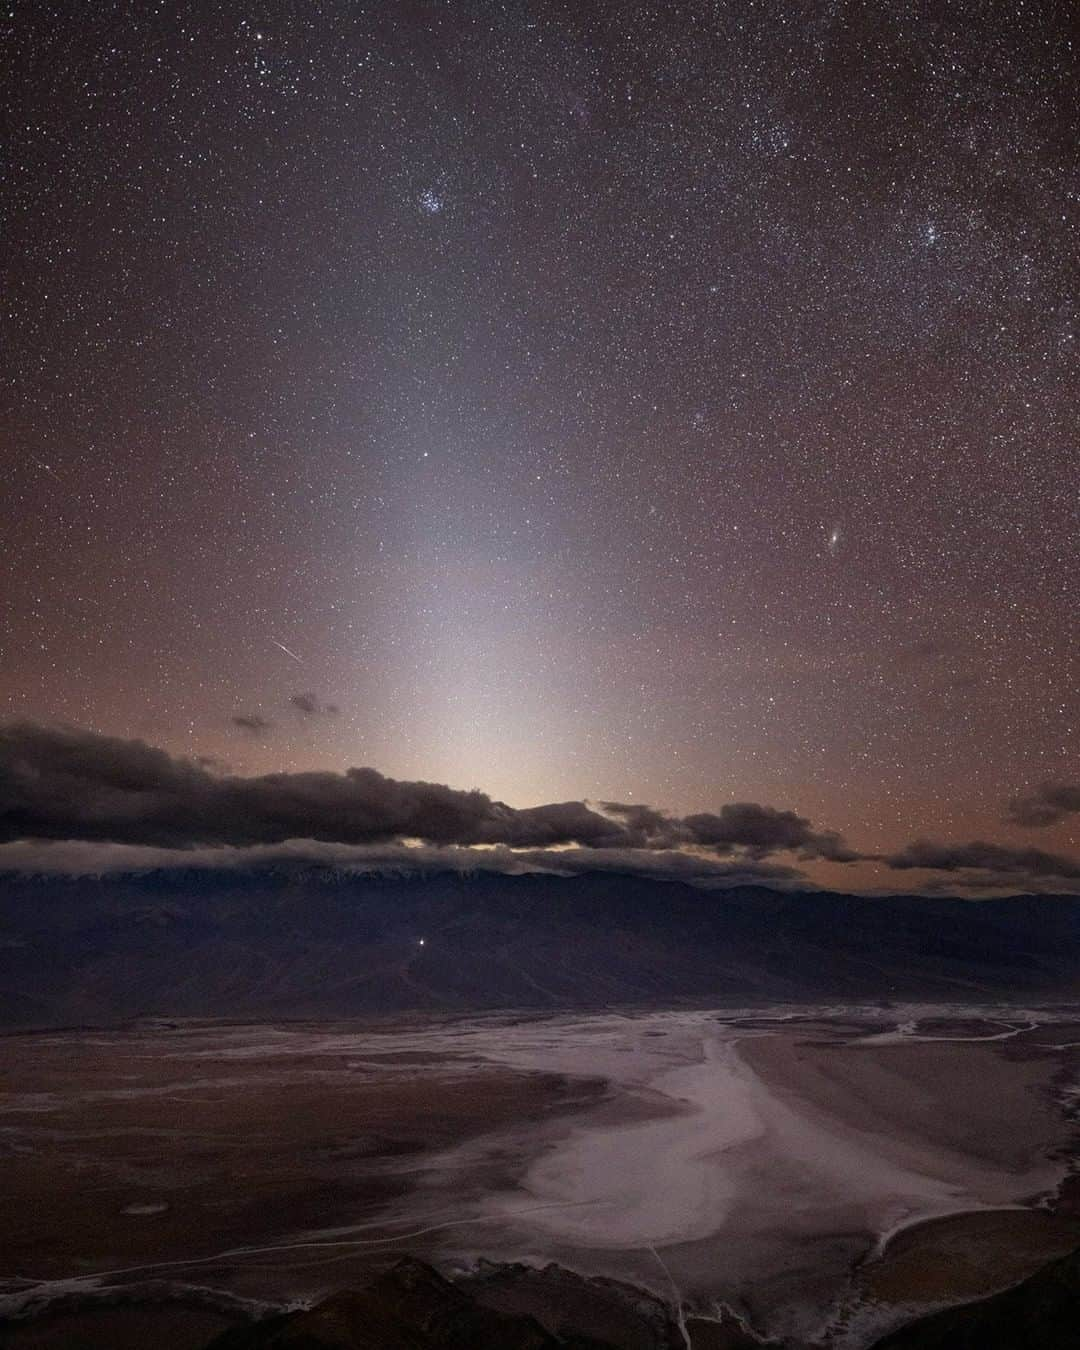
point(1043, 1312)
point(302, 942)
point(411, 1307)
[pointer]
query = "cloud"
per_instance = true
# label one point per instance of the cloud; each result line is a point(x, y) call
point(252, 723)
point(643, 821)
point(1047, 805)
point(747, 826)
point(75, 800)
point(310, 706)
point(762, 830)
point(983, 857)
point(83, 789)
point(66, 783)
point(83, 858)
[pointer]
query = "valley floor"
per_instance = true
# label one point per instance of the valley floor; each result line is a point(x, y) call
point(824, 1172)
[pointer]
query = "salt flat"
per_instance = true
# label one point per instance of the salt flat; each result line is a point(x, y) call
point(754, 1158)
point(780, 1158)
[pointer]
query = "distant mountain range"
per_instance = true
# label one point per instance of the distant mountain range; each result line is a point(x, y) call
point(310, 943)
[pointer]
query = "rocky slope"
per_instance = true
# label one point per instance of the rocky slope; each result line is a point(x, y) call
point(314, 943)
point(1042, 1313)
point(411, 1307)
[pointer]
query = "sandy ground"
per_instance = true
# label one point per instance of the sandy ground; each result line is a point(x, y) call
point(799, 1166)
point(136, 1148)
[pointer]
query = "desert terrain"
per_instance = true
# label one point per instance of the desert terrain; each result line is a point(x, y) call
point(819, 1173)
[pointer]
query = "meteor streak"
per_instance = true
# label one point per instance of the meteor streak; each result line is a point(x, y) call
point(286, 650)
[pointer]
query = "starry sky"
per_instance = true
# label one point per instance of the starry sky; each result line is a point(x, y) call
point(664, 403)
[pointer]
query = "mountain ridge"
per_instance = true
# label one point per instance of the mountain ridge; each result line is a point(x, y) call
point(308, 942)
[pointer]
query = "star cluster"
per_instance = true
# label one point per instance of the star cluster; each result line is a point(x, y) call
point(662, 402)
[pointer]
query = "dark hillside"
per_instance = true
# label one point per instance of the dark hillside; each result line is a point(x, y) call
point(315, 943)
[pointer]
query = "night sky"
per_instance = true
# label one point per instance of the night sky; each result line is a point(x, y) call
point(656, 403)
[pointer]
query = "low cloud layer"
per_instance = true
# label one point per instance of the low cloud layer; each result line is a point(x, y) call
point(63, 783)
point(746, 826)
point(83, 858)
point(73, 800)
point(983, 857)
point(1047, 805)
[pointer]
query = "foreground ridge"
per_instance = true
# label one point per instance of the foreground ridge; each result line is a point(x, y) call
point(410, 1307)
point(1043, 1311)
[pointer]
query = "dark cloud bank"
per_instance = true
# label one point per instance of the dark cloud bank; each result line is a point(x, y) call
point(310, 706)
point(71, 784)
point(108, 803)
point(307, 705)
point(983, 857)
point(1047, 805)
point(253, 723)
